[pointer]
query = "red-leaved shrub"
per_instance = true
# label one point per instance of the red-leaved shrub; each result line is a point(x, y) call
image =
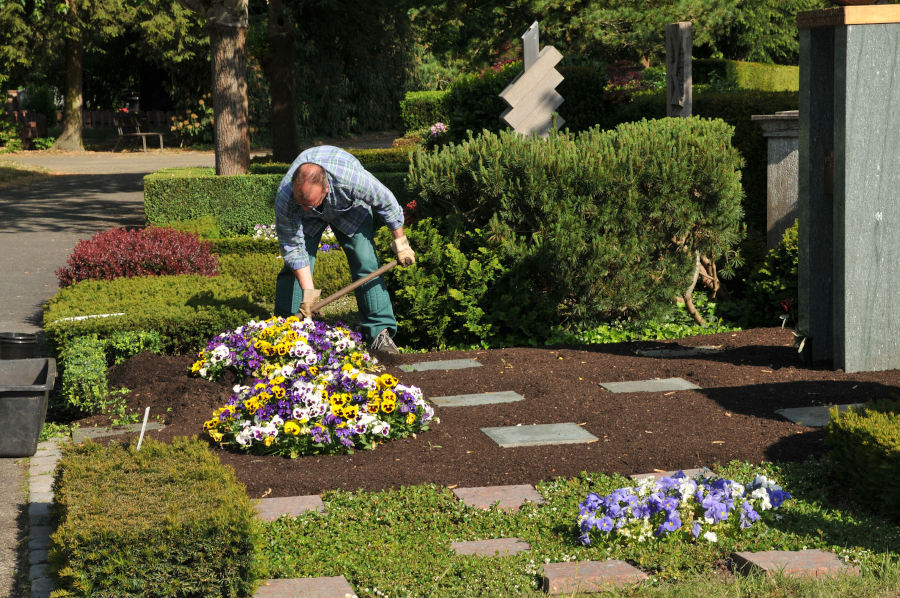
point(122, 252)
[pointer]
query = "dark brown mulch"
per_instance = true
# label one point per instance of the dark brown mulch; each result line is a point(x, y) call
point(732, 417)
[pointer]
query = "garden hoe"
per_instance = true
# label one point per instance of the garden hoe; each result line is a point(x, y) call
point(353, 286)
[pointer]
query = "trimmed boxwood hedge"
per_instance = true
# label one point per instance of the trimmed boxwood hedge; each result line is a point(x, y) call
point(864, 447)
point(166, 521)
point(747, 75)
point(186, 310)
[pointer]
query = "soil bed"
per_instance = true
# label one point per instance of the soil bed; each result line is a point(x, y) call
point(732, 416)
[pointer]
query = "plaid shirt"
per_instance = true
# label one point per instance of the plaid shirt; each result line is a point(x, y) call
point(352, 194)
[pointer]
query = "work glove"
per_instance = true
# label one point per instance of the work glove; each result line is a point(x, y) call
point(405, 255)
point(310, 297)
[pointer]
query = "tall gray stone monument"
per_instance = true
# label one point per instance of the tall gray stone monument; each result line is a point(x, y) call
point(679, 80)
point(532, 95)
point(849, 186)
point(782, 132)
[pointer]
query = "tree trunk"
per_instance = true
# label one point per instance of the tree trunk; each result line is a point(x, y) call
point(229, 73)
point(280, 66)
point(70, 137)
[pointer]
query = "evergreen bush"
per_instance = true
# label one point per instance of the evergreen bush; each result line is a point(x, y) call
point(443, 300)
point(122, 252)
point(864, 447)
point(186, 310)
point(166, 521)
point(604, 225)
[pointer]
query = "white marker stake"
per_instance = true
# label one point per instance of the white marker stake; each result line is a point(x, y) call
point(143, 427)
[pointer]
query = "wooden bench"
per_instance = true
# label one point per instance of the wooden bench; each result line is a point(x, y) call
point(130, 126)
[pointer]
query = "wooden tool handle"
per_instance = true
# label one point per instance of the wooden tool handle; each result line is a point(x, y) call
point(354, 285)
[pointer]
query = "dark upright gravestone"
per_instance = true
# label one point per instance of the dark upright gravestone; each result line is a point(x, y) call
point(679, 80)
point(849, 186)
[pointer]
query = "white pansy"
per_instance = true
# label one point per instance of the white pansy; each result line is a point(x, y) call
point(711, 537)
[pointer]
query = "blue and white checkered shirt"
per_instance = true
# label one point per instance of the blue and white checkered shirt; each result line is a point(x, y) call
point(353, 192)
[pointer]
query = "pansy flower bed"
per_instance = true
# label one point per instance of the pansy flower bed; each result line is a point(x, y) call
point(677, 506)
point(309, 388)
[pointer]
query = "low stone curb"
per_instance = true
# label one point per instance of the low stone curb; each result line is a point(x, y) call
point(40, 498)
point(507, 498)
point(657, 475)
point(589, 576)
point(306, 587)
point(490, 548)
point(798, 563)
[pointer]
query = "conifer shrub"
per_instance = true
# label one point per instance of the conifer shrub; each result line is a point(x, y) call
point(122, 252)
point(166, 521)
point(602, 225)
point(445, 298)
point(864, 447)
point(186, 310)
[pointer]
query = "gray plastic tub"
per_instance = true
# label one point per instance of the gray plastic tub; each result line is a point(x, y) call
point(25, 386)
point(18, 345)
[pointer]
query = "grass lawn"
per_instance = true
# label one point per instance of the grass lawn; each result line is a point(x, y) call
point(397, 543)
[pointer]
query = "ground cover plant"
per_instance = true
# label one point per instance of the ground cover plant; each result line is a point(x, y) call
point(425, 519)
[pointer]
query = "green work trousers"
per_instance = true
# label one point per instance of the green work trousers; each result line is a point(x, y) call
point(372, 299)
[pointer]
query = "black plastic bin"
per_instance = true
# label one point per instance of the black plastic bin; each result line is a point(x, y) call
point(18, 345)
point(25, 386)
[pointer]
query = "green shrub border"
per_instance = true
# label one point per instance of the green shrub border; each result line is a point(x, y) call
point(169, 515)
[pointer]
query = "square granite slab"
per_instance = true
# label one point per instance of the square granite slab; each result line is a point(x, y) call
point(654, 385)
point(485, 398)
point(540, 434)
point(445, 364)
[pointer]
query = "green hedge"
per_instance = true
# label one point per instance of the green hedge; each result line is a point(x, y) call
point(244, 246)
point(421, 109)
point(238, 203)
point(186, 310)
point(165, 521)
point(865, 450)
point(587, 222)
point(747, 75)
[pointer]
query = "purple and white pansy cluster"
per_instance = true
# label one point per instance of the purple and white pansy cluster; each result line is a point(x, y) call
point(677, 505)
point(310, 388)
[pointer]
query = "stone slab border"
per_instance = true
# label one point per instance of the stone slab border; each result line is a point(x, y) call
point(306, 587)
point(490, 548)
point(792, 563)
point(270, 509)
point(79, 435)
point(814, 417)
point(507, 498)
point(589, 576)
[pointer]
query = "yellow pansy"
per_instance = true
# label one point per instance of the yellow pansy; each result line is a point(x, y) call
point(314, 370)
point(389, 395)
point(277, 379)
point(292, 320)
point(373, 407)
point(388, 406)
point(410, 418)
point(282, 349)
point(196, 367)
point(387, 381)
point(292, 427)
point(217, 436)
point(268, 441)
point(210, 424)
point(260, 385)
point(278, 392)
point(350, 411)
